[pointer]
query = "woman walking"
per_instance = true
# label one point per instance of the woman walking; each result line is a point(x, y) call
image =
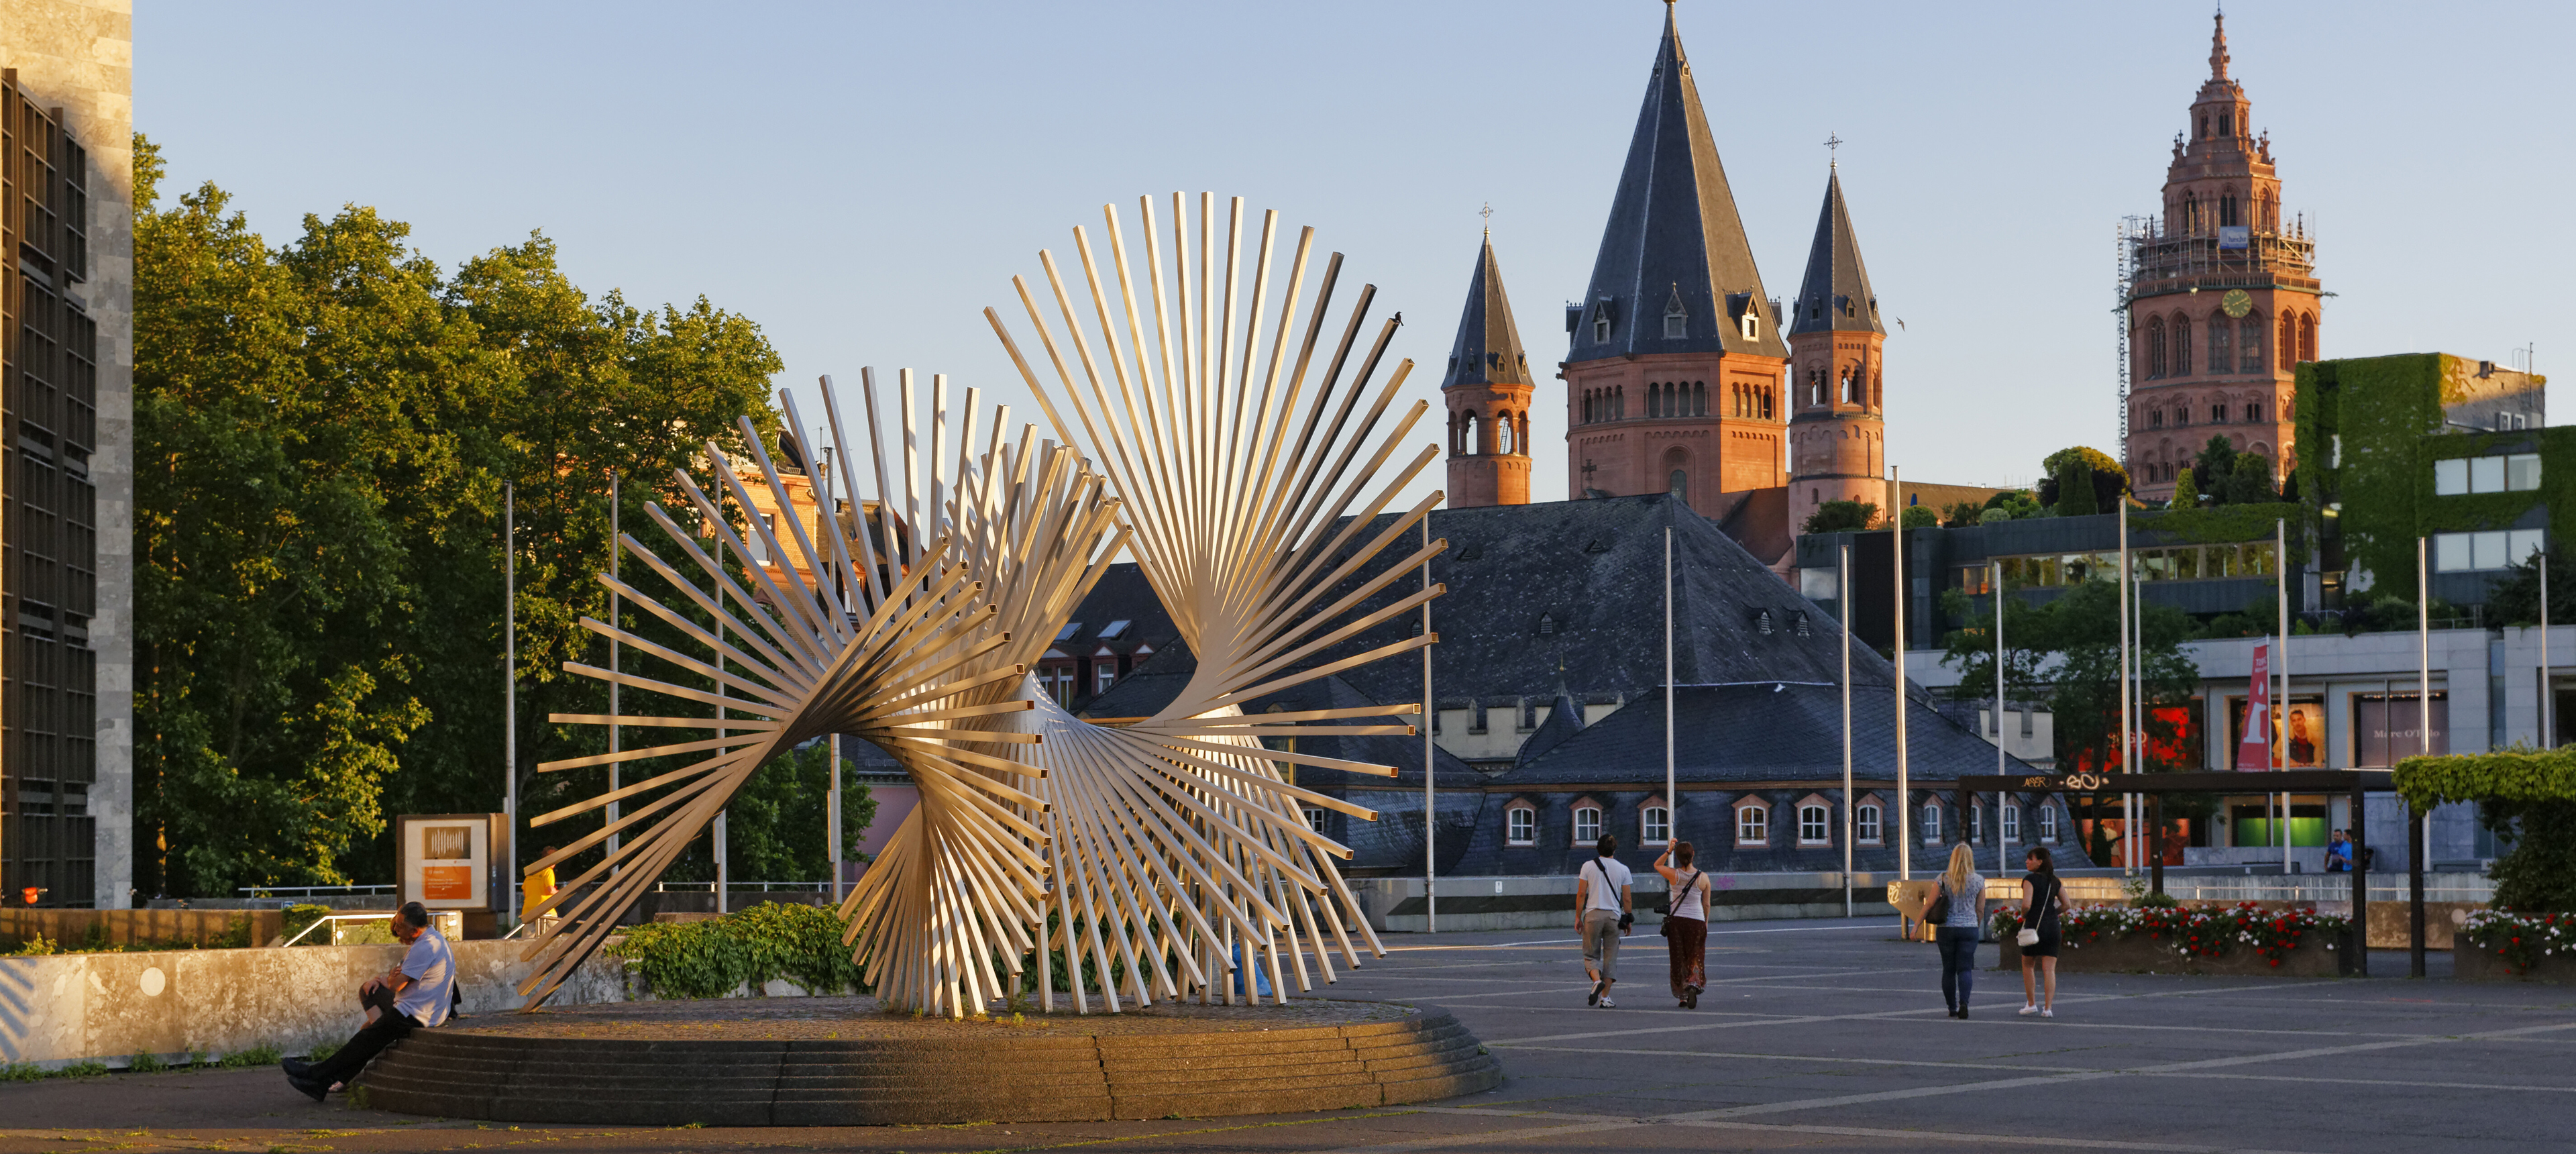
point(1685, 922)
point(2043, 898)
point(1965, 891)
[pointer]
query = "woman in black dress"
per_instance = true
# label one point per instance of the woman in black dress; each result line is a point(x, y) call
point(2043, 900)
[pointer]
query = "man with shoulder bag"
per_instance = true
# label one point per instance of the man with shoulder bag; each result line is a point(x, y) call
point(1601, 915)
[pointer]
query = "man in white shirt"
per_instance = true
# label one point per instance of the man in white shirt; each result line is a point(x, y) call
point(412, 995)
point(1601, 905)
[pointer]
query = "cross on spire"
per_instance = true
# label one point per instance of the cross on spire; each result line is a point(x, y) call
point(1833, 147)
point(1488, 213)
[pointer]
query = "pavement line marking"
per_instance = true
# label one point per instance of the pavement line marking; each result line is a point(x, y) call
point(1998, 1139)
point(2367, 1082)
point(1811, 1058)
point(1579, 941)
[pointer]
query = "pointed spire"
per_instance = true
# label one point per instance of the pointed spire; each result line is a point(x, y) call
point(1836, 294)
point(1488, 348)
point(2218, 48)
point(1673, 221)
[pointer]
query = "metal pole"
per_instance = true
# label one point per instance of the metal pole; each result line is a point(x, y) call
point(1430, 789)
point(2419, 835)
point(510, 689)
point(1842, 606)
point(2360, 944)
point(2128, 802)
point(836, 591)
point(2281, 671)
point(832, 825)
point(2003, 859)
point(2548, 699)
point(1904, 784)
point(1672, 801)
point(616, 650)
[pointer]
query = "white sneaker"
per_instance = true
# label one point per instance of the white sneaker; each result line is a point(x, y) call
point(1606, 1003)
point(2048, 1013)
point(2027, 1011)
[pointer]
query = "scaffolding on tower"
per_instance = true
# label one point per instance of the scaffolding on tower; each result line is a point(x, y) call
point(2124, 264)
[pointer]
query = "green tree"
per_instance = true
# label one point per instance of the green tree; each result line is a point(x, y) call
point(1841, 517)
point(2213, 466)
point(324, 431)
point(2186, 494)
point(2515, 599)
point(2251, 481)
point(774, 827)
point(1921, 517)
point(2075, 490)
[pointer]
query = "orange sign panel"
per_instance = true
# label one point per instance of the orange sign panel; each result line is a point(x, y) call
point(446, 883)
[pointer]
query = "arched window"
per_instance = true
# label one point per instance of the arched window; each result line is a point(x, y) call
point(1752, 822)
point(1520, 823)
point(1619, 403)
point(1503, 442)
point(1877, 398)
point(2227, 210)
point(2047, 822)
point(1679, 481)
point(2182, 345)
point(1699, 398)
point(1468, 444)
point(2191, 211)
point(2289, 337)
point(1520, 421)
point(1977, 824)
point(2307, 336)
point(1654, 823)
point(1931, 823)
point(1587, 824)
point(1766, 404)
point(1815, 821)
point(2222, 352)
point(2249, 334)
point(2155, 347)
point(1872, 829)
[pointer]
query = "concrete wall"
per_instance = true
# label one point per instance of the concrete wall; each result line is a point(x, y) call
point(79, 55)
point(109, 1007)
point(1516, 902)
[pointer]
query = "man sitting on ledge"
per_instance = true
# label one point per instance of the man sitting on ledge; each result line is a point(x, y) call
point(412, 995)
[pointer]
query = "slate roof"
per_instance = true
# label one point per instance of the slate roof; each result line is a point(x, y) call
point(1762, 731)
point(1488, 348)
point(1837, 280)
point(1673, 228)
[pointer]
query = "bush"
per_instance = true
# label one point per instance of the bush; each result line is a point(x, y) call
point(1921, 517)
point(711, 958)
point(21, 1072)
point(1841, 517)
point(146, 1062)
point(35, 947)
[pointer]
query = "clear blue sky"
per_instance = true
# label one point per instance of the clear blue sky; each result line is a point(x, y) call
point(863, 179)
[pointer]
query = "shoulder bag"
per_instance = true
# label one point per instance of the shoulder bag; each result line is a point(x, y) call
point(1938, 912)
point(1672, 901)
point(2038, 912)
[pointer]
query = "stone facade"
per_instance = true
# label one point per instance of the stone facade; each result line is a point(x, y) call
point(77, 56)
point(2223, 300)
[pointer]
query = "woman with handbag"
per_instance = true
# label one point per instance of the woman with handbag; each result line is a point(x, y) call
point(2043, 900)
point(1685, 922)
point(1958, 910)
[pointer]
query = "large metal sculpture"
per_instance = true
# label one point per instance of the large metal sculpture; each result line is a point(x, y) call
point(1155, 859)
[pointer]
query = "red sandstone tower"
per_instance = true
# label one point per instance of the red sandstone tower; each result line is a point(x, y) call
point(1488, 390)
point(2223, 297)
point(1674, 361)
point(1837, 435)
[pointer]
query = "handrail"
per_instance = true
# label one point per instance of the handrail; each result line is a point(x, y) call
point(385, 916)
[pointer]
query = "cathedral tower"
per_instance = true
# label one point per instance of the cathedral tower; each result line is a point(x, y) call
point(1673, 366)
point(1837, 435)
point(1488, 391)
point(2223, 297)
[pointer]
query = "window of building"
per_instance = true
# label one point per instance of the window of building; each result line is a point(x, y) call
point(1654, 825)
point(2047, 822)
point(2155, 347)
point(1601, 323)
point(2249, 338)
point(2222, 351)
point(2156, 419)
point(1520, 824)
point(1752, 326)
point(1977, 824)
point(1503, 435)
point(1678, 481)
point(1587, 824)
point(1813, 825)
point(1868, 821)
point(2491, 474)
point(2253, 413)
point(2012, 821)
point(2307, 336)
point(1315, 819)
point(2494, 549)
point(1676, 321)
point(1752, 822)
point(2182, 345)
point(2226, 203)
point(1931, 823)
point(1764, 396)
point(1104, 673)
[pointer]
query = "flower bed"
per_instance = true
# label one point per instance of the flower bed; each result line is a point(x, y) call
point(2539, 946)
point(2242, 934)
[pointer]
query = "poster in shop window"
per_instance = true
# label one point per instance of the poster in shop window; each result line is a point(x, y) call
point(2298, 735)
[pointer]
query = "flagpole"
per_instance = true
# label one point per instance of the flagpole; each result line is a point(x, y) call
point(2281, 670)
point(1904, 784)
point(1842, 598)
point(2003, 857)
point(510, 690)
point(1672, 802)
point(616, 612)
point(2128, 802)
point(2548, 699)
point(2421, 831)
point(1430, 792)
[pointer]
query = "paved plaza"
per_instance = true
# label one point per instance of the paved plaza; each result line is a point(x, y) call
point(1813, 1036)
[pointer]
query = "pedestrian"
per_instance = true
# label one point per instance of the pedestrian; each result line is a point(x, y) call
point(537, 887)
point(1601, 916)
point(414, 994)
point(2043, 902)
point(1685, 922)
point(1962, 894)
point(2339, 853)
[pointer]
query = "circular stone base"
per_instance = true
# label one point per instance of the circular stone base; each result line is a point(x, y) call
point(841, 1062)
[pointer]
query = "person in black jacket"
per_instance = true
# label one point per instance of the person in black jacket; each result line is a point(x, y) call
point(2043, 901)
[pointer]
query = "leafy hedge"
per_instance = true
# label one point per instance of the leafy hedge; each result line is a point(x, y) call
point(2525, 793)
point(712, 958)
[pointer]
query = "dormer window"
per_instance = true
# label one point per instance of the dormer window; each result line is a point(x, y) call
point(1546, 625)
point(1798, 624)
point(1601, 321)
point(1752, 327)
point(1762, 622)
point(1676, 317)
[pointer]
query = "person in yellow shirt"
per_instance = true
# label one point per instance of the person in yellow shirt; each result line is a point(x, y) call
point(538, 886)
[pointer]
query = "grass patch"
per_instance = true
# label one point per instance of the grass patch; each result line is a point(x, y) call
point(260, 1055)
point(82, 1070)
point(146, 1062)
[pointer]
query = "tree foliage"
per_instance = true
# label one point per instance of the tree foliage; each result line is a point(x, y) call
point(324, 429)
point(1841, 517)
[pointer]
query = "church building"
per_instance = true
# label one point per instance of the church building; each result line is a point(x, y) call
point(2223, 297)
